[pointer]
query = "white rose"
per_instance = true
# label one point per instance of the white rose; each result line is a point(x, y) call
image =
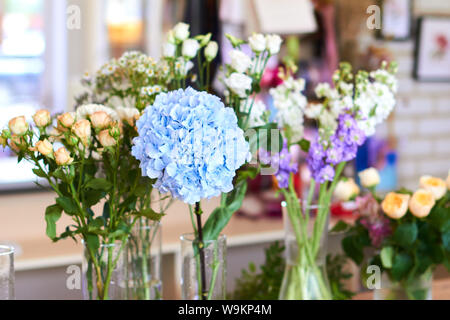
point(395, 205)
point(211, 51)
point(190, 48)
point(181, 31)
point(273, 43)
point(239, 84)
point(421, 203)
point(346, 189)
point(435, 185)
point(369, 178)
point(240, 61)
point(169, 50)
point(257, 42)
point(18, 126)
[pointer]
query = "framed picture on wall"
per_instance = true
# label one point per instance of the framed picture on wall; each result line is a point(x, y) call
point(396, 20)
point(432, 52)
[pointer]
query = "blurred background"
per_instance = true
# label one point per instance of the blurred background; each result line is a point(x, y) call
point(47, 45)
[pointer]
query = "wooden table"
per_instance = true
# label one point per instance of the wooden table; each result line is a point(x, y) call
point(441, 291)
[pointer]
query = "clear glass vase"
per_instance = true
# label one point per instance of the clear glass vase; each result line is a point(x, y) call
point(305, 276)
point(6, 273)
point(192, 286)
point(419, 288)
point(143, 256)
point(103, 271)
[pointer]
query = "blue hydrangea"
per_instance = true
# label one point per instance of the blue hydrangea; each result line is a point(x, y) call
point(191, 143)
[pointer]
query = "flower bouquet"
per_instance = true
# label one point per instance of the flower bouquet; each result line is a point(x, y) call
point(405, 235)
point(348, 114)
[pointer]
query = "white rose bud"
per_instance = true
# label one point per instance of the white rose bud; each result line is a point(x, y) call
point(346, 189)
point(369, 178)
point(65, 121)
point(211, 51)
point(395, 205)
point(239, 84)
point(240, 61)
point(82, 129)
point(190, 48)
point(169, 50)
point(181, 31)
point(62, 157)
point(106, 140)
point(421, 203)
point(18, 126)
point(435, 185)
point(273, 44)
point(257, 42)
point(100, 120)
point(42, 118)
point(44, 147)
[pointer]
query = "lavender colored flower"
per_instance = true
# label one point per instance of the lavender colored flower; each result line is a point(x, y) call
point(281, 161)
point(373, 219)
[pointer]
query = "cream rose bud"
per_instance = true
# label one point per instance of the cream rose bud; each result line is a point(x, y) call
point(100, 120)
point(239, 84)
point(62, 157)
point(190, 48)
point(421, 203)
point(240, 61)
point(435, 185)
point(106, 140)
point(169, 50)
point(42, 118)
point(44, 147)
point(211, 51)
point(346, 189)
point(257, 42)
point(18, 126)
point(395, 205)
point(181, 31)
point(369, 177)
point(65, 121)
point(82, 129)
point(273, 43)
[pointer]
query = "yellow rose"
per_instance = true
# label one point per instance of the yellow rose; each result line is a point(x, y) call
point(346, 189)
point(421, 203)
point(435, 185)
point(65, 121)
point(395, 205)
point(42, 118)
point(82, 129)
point(18, 126)
point(44, 147)
point(62, 157)
point(106, 140)
point(369, 178)
point(100, 120)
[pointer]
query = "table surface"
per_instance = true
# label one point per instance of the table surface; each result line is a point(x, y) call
point(440, 291)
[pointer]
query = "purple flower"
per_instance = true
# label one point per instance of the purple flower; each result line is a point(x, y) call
point(373, 219)
point(282, 162)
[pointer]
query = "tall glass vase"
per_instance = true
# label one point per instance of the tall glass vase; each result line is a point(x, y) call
point(210, 285)
point(143, 256)
point(417, 288)
point(6, 273)
point(306, 234)
point(103, 271)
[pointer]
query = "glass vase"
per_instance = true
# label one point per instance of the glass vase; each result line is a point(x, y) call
point(143, 256)
point(419, 288)
point(210, 285)
point(103, 270)
point(305, 276)
point(6, 273)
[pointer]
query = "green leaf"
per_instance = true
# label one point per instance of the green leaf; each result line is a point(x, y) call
point(401, 266)
point(340, 226)
point(52, 215)
point(92, 242)
point(93, 197)
point(406, 234)
point(39, 172)
point(353, 250)
point(220, 217)
point(96, 225)
point(150, 214)
point(305, 145)
point(387, 254)
point(68, 204)
point(249, 173)
point(99, 184)
point(106, 210)
point(59, 174)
